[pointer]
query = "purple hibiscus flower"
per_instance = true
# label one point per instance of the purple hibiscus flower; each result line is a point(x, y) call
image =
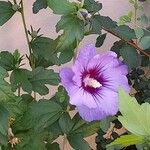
point(92, 83)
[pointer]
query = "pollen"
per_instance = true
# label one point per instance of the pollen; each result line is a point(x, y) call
point(91, 82)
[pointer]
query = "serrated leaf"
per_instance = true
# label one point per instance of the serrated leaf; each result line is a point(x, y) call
point(39, 77)
point(19, 78)
point(65, 8)
point(66, 56)
point(53, 146)
point(65, 123)
point(91, 6)
point(73, 31)
point(38, 5)
point(41, 61)
point(139, 32)
point(127, 140)
point(99, 22)
point(6, 60)
point(5, 89)
point(117, 47)
point(32, 140)
point(77, 142)
point(41, 114)
point(144, 19)
point(130, 56)
point(100, 40)
point(43, 46)
point(105, 124)
point(135, 117)
point(84, 128)
point(145, 42)
point(3, 120)
point(125, 31)
point(6, 12)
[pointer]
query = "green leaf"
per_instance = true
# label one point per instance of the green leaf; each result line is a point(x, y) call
point(66, 56)
point(65, 8)
point(100, 40)
point(125, 31)
point(99, 22)
point(143, 19)
point(65, 123)
point(73, 31)
point(130, 56)
point(125, 18)
point(77, 142)
point(7, 60)
point(84, 128)
point(62, 95)
point(10, 61)
point(32, 140)
point(6, 12)
point(105, 124)
point(43, 46)
point(53, 146)
point(139, 32)
point(41, 115)
point(117, 47)
point(127, 140)
point(3, 124)
point(38, 5)
point(19, 78)
point(39, 77)
point(5, 89)
point(91, 6)
point(135, 117)
point(41, 61)
point(145, 42)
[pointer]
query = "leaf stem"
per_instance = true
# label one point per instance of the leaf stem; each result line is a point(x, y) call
point(31, 59)
point(26, 33)
point(128, 42)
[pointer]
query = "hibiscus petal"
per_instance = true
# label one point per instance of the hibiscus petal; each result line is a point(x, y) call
point(66, 75)
point(107, 105)
point(115, 77)
point(81, 97)
point(102, 62)
point(89, 115)
point(85, 55)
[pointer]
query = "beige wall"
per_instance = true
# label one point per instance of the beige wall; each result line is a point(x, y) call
point(12, 34)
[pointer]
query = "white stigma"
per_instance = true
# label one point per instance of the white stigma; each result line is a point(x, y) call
point(91, 82)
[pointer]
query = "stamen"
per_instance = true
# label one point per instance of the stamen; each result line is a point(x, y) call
point(91, 82)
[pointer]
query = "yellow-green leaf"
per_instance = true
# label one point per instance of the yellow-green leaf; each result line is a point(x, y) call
point(135, 117)
point(127, 140)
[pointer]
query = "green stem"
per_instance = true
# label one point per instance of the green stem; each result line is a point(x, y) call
point(31, 59)
point(26, 33)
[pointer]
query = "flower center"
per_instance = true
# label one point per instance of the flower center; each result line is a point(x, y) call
point(91, 82)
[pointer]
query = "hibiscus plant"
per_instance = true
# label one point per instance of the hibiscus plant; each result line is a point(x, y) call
point(106, 95)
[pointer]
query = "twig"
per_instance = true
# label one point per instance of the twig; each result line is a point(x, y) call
point(128, 42)
point(26, 32)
